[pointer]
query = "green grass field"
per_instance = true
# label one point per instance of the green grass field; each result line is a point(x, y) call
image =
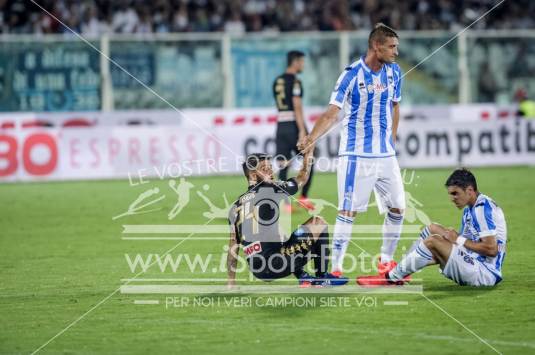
point(62, 254)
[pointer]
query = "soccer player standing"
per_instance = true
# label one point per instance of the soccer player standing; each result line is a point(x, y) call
point(288, 94)
point(368, 92)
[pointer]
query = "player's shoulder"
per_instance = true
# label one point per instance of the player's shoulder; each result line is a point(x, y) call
point(395, 67)
point(485, 202)
point(356, 65)
point(280, 79)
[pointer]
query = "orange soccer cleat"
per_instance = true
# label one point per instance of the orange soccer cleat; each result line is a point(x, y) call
point(385, 267)
point(377, 281)
point(306, 203)
point(336, 273)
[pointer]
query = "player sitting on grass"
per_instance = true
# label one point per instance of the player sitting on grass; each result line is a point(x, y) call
point(254, 223)
point(474, 256)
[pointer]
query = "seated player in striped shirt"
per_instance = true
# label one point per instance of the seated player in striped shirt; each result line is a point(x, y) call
point(473, 256)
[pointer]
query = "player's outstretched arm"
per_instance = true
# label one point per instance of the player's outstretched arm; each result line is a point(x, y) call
point(232, 260)
point(326, 120)
point(304, 173)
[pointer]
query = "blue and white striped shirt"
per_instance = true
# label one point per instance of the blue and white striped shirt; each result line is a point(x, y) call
point(486, 219)
point(366, 98)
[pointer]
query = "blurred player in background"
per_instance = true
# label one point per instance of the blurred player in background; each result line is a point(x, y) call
point(526, 107)
point(288, 94)
point(474, 256)
point(368, 92)
point(255, 224)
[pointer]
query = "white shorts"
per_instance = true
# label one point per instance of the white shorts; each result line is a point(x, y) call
point(464, 269)
point(358, 177)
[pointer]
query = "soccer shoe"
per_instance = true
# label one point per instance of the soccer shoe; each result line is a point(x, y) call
point(306, 280)
point(377, 281)
point(385, 267)
point(336, 273)
point(306, 203)
point(330, 280)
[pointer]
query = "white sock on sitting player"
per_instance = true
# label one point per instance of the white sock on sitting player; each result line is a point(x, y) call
point(341, 237)
point(424, 233)
point(392, 226)
point(414, 261)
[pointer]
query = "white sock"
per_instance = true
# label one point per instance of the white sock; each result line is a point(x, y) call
point(391, 232)
point(414, 261)
point(341, 237)
point(423, 236)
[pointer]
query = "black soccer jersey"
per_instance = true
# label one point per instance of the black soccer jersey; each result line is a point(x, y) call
point(254, 217)
point(285, 87)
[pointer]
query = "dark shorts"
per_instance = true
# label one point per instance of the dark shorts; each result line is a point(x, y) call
point(283, 259)
point(286, 139)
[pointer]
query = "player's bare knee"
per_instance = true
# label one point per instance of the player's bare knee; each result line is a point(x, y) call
point(435, 228)
point(347, 213)
point(319, 220)
point(316, 220)
point(431, 241)
point(396, 210)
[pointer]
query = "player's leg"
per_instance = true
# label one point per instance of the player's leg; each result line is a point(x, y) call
point(310, 242)
point(439, 247)
point(284, 142)
point(344, 220)
point(464, 269)
point(297, 248)
point(355, 184)
point(319, 244)
point(429, 249)
point(320, 253)
point(392, 195)
point(310, 239)
point(434, 249)
point(431, 229)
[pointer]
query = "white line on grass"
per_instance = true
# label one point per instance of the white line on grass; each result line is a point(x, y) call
point(104, 300)
point(461, 324)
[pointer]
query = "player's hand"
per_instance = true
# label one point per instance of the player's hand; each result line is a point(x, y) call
point(302, 134)
point(305, 145)
point(451, 235)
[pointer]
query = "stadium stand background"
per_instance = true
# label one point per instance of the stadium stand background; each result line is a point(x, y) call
point(138, 16)
point(201, 53)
